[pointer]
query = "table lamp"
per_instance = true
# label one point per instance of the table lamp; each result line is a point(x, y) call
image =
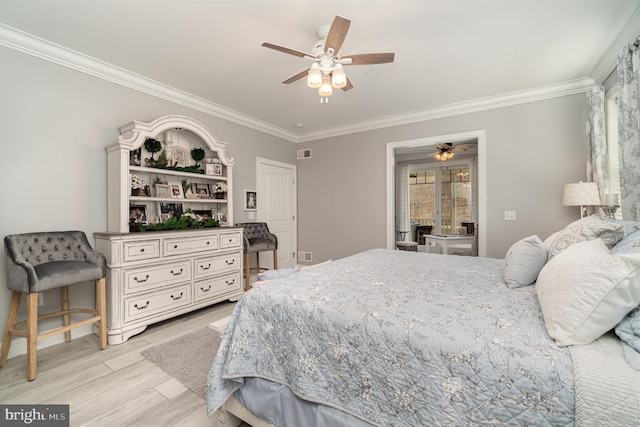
point(581, 194)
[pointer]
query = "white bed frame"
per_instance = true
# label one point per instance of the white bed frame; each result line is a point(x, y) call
point(232, 413)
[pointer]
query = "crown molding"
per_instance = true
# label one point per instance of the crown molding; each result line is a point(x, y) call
point(35, 46)
point(520, 97)
point(40, 48)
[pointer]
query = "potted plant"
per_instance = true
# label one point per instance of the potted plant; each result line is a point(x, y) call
point(197, 154)
point(152, 146)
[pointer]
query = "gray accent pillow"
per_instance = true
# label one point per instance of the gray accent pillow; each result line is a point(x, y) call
point(523, 262)
point(629, 245)
point(584, 229)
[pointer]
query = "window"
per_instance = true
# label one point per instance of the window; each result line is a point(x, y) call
point(441, 197)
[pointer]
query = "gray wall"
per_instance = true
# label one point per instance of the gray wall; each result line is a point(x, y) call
point(56, 124)
point(532, 150)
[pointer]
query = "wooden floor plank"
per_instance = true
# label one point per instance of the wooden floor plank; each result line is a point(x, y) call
point(116, 386)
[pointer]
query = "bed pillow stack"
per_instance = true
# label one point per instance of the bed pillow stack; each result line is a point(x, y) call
point(585, 291)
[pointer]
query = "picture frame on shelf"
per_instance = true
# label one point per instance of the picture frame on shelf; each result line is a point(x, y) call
point(135, 157)
point(203, 215)
point(163, 191)
point(250, 200)
point(178, 156)
point(213, 169)
point(176, 190)
point(169, 210)
point(223, 218)
point(138, 213)
point(202, 190)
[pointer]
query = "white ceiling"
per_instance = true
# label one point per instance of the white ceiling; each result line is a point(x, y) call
point(447, 51)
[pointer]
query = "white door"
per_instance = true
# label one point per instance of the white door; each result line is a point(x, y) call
point(277, 207)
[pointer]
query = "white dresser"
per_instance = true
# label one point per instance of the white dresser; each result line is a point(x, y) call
point(153, 276)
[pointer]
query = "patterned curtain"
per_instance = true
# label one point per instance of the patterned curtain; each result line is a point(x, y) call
point(403, 209)
point(629, 130)
point(597, 152)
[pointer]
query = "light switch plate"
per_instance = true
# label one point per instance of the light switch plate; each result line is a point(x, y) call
point(509, 215)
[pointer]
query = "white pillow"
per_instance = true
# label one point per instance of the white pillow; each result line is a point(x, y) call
point(587, 228)
point(523, 262)
point(584, 291)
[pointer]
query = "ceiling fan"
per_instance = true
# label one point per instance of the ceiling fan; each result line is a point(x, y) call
point(447, 151)
point(326, 71)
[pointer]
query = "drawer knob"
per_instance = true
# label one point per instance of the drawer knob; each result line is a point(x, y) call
point(208, 243)
point(178, 273)
point(205, 290)
point(229, 283)
point(205, 268)
point(142, 307)
point(141, 249)
point(233, 261)
point(141, 280)
point(178, 297)
point(175, 246)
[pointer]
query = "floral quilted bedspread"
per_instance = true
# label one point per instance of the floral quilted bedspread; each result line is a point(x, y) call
point(401, 338)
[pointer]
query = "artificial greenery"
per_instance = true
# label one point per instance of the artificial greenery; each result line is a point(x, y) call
point(152, 146)
point(162, 160)
point(186, 221)
point(197, 154)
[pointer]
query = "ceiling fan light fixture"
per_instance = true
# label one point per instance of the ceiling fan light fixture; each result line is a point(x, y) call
point(443, 156)
point(338, 77)
point(325, 89)
point(314, 77)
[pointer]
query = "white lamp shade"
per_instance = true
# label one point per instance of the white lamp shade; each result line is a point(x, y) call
point(581, 194)
point(326, 89)
point(338, 77)
point(314, 76)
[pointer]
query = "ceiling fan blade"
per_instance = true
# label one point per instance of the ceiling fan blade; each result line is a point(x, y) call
point(337, 34)
point(286, 50)
point(371, 58)
point(297, 77)
point(348, 86)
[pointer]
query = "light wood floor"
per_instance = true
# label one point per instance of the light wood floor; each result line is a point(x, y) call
point(116, 386)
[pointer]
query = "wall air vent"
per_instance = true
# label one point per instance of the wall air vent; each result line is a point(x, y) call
point(305, 256)
point(304, 154)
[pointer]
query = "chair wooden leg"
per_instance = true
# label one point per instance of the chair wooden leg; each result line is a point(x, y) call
point(247, 271)
point(101, 306)
point(32, 334)
point(275, 259)
point(66, 317)
point(11, 321)
point(258, 261)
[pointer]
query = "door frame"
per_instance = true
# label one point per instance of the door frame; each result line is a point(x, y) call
point(480, 137)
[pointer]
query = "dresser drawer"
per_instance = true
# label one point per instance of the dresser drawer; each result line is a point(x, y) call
point(141, 250)
point(217, 286)
point(180, 246)
point(158, 302)
point(230, 240)
point(218, 264)
point(147, 278)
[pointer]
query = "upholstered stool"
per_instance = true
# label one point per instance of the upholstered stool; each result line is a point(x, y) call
point(257, 238)
point(37, 262)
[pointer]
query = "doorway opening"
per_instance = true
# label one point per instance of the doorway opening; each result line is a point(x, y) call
point(449, 178)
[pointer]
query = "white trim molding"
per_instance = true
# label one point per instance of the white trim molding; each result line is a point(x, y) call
point(32, 45)
point(481, 137)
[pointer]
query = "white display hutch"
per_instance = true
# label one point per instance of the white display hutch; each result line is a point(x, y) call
point(156, 275)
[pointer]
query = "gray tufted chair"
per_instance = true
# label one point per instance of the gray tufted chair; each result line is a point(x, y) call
point(37, 262)
point(257, 238)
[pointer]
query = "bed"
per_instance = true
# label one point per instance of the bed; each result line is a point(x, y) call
point(390, 338)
